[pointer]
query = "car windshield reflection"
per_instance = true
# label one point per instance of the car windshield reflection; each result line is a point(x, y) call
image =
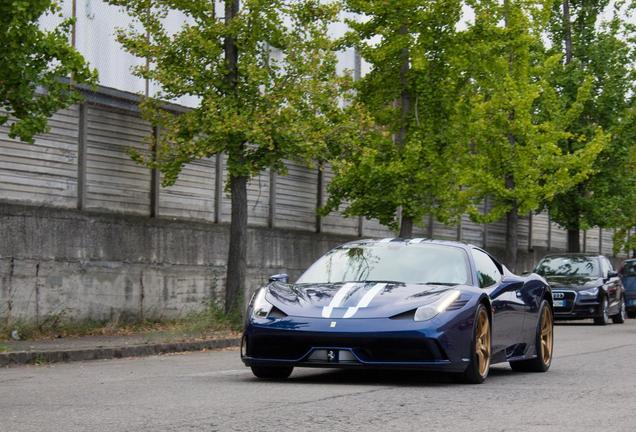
point(395, 263)
point(569, 266)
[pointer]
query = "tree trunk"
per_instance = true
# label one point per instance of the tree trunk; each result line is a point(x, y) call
point(406, 227)
point(574, 240)
point(512, 216)
point(237, 257)
point(406, 224)
point(512, 239)
point(567, 32)
point(574, 244)
point(231, 50)
point(405, 96)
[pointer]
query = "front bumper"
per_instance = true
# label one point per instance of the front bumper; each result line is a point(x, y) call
point(356, 343)
point(574, 306)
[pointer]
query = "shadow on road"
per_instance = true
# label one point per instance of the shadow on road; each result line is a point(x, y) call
point(393, 378)
point(575, 323)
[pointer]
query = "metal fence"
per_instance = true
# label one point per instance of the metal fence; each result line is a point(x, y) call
point(83, 162)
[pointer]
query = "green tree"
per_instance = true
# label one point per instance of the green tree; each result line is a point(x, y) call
point(33, 63)
point(602, 52)
point(625, 236)
point(514, 121)
point(410, 164)
point(257, 108)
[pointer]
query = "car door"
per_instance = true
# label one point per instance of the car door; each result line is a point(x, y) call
point(612, 282)
point(508, 305)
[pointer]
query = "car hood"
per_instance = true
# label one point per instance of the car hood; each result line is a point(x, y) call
point(574, 283)
point(352, 299)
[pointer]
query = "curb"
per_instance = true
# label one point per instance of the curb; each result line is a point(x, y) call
point(84, 354)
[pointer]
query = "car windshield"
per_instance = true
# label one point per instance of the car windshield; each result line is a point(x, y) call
point(395, 262)
point(568, 266)
point(629, 268)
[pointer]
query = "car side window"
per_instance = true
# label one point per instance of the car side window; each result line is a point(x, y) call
point(488, 273)
point(604, 267)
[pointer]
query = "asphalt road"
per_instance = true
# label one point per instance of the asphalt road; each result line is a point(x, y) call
point(590, 387)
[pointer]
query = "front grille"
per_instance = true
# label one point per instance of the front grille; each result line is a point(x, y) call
point(376, 348)
point(568, 298)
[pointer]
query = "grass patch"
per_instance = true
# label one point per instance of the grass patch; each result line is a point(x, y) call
point(204, 323)
point(3, 348)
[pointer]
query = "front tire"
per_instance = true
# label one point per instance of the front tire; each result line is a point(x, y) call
point(603, 318)
point(544, 342)
point(272, 372)
point(477, 370)
point(620, 317)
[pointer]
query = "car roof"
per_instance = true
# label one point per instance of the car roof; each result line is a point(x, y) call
point(574, 254)
point(416, 240)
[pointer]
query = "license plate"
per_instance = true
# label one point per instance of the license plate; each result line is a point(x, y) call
point(559, 303)
point(632, 302)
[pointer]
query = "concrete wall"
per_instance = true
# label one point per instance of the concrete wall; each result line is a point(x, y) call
point(58, 262)
point(64, 263)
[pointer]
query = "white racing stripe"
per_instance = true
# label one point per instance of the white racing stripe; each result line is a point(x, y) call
point(338, 299)
point(366, 300)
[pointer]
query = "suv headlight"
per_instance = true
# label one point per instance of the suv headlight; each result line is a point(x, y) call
point(430, 311)
point(260, 306)
point(592, 292)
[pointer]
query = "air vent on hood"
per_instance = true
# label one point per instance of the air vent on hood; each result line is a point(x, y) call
point(409, 315)
point(276, 313)
point(457, 304)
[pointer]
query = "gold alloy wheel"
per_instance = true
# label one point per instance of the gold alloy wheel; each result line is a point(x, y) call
point(546, 336)
point(482, 342)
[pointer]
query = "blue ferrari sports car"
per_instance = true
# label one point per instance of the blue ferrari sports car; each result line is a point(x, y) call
point(401, 303)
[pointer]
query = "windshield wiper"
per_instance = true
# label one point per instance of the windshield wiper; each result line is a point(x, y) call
point(379, 281)
point(441, 283)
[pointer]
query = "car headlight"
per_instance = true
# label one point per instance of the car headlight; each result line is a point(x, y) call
point(260, 306)
point(430, 311)
point(592, 292)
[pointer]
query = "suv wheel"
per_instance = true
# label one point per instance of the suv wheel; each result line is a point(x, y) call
point(619, 318)
point(603, 317)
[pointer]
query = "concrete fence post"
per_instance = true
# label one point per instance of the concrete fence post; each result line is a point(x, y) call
point(530, 232)
point(319, 198)
point(549, 232)
point(81, 156)
point(218, 188)
point(155, 176)
point(271, 216)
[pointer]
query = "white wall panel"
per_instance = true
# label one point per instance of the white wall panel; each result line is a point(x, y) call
point(296, 198)
point(559, 238)
point(114, 181)
point(192, 196)
point(335, 222)
point(44, 172)
point(540, 230)
point(472, 232)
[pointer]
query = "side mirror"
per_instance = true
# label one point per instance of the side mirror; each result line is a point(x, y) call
point(282, 277)
point(612, 274)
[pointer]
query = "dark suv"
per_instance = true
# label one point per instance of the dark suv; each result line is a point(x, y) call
point(628, 272)
point(584, 286)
